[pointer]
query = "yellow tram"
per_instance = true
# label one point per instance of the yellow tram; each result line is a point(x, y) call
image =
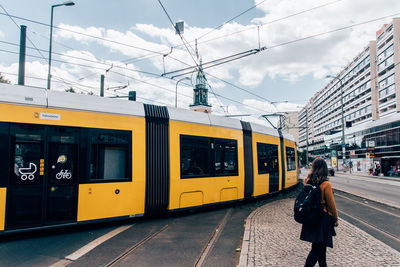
point(68, 159)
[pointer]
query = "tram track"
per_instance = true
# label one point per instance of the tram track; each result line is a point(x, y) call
point(136, 246)
point(213, 239)
point(369, 206)
point(364, 222)
point(375, 218)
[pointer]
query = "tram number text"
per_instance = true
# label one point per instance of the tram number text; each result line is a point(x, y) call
point(63, 174)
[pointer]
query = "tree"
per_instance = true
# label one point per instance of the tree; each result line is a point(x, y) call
point(70, 90)
point(3, 80)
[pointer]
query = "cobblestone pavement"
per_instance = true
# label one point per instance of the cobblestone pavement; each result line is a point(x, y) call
point(271, 238)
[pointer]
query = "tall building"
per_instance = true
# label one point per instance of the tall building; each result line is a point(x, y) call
point(362, 99)
point(290, 124)
point(388, 52)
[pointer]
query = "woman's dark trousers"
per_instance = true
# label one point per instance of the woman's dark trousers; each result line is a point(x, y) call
point(317, 253)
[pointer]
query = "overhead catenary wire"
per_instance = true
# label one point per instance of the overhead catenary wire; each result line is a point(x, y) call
point(45, 79)
point(247, 29)
point(270, 22)
point(235, 17)
point(156, 53)
point(353, 25)
point(180, 35)
point(11, 17)
point(342, 28)
point(41, 23)
point(85, 59)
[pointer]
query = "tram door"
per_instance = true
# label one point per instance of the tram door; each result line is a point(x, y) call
point(273, 168)
point(43, 178)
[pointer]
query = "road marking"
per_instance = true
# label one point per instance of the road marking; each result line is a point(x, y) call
point(372, 226)
point(85, 249)
point(369, 206)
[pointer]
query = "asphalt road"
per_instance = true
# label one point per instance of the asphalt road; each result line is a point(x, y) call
point(199, 238)
point(375, 188)
point(202, 238)
point(211, 237)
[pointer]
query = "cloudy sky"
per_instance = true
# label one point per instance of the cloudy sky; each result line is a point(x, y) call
point(130, 43)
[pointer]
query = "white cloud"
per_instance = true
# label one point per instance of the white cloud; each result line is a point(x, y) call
point(290, 61)
point(319, 56)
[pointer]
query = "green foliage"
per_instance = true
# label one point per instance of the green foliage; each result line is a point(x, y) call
point(3, 80)
point(70, 90)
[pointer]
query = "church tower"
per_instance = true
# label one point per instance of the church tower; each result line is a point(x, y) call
point(200, 93)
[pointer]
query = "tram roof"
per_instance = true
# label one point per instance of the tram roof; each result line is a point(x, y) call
point(35, 96)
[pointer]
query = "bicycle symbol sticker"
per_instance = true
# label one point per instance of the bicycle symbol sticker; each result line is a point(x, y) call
point(28, 173)
point(63, 174)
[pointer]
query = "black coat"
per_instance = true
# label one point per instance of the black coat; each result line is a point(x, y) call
point(319, 233)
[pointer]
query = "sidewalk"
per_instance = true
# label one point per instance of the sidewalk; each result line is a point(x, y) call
point(271, 238)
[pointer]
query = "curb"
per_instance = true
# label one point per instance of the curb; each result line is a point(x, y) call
point(244, 253)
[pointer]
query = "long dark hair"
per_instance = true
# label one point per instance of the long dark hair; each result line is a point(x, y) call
point(319, 171)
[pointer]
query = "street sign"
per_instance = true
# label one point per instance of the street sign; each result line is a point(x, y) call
point(334, 162)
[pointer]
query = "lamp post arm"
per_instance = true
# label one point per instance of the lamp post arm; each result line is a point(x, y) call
point(68, 3)
point(176, 89)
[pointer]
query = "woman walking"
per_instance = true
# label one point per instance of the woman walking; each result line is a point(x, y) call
point(320, 234)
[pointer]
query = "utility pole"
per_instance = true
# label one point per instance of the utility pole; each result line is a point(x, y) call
point(22, 55)
point(102, 85)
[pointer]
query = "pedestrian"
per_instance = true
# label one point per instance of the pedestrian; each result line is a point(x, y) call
point(351, 166)
point(321, 233)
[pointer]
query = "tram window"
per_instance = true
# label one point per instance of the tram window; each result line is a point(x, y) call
point(195, 156)
point(225, 157)
point(110, 155)
point(63, 150)
point(27, 159)
point(290, 159)
point(267, 158)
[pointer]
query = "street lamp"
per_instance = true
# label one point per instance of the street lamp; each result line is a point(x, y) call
point(176, 89)
point(341, 101)
point(67, 3)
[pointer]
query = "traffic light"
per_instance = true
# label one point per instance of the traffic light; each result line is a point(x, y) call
point(132, 96)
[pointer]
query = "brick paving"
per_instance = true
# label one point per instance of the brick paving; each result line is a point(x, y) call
point(271, 238)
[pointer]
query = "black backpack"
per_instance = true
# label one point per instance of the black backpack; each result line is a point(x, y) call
point(307, 207)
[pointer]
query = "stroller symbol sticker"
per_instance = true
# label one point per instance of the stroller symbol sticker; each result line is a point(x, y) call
point(28, 173)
